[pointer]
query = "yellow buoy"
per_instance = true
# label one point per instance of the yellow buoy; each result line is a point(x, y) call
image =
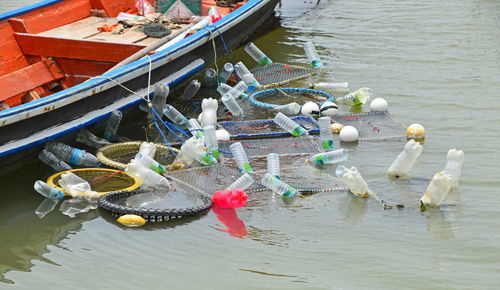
point(131, 220)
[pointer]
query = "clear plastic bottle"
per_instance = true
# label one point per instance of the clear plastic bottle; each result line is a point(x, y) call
point(257, 54)
point(204, 158)
point(210, 78)
point(251, 83)
point(437, 190)
point(211, 141)
point(330, 157)
point(278, 186)
point(238, 91)
point(223, 88)
point(325, 133)
point(112, 125)
point(232, 106)
point(240, 158)
point(175, 116)
point(312, 55)
point(405, 160)
point(148, 149)
point(226, 72)
point(77, 186)
point(354, 181)
point(160, 97)
point(195, 129)
point(209, 112)
point(242, 183)
point(339, 88)
point(150, 163)
point(191, 90)
point(72, 155)
point(288, 124)
point(188, 150)
point(273, 164)
point(288, 109)
point(357, 98)
point(86, 137)
point(146, 175)
point(47, 190)
point(51, 160)
point(455, 159)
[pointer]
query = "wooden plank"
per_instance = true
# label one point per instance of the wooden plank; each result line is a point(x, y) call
point(130, 36)
point(73, 27)
point(74, 48)
point(27, 79)
point(11, 56)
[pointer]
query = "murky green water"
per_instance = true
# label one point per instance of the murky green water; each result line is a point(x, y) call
point(436, 63)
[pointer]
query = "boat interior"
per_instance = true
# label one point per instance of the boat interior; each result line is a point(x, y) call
point(54, 47)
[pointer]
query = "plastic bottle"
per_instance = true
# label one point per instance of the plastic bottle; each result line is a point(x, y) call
point(148, 149)
point(160, 97)
point(251, 83)
point(257, 54)
point(150, 163)
point(86, 137)
point(188, 150)
point(195, 129)
point(357, 98)
point(175, 116)
point(210, 78)
point(47, 205)
point(288, 109)
point(226, 72)
point(191, 89)
point(72, 155)
point(240, 157)
point(144, 7)
point(273, 164)
point(243, 182)
point(278, 186)
point(223, 88)
point(340, 88)
point(230, 198)
point(405, 160)
point(455, 159)
point(437, 190)
point(112, 125)
point(204, 158)
point(232, 106)
point(325, 133)
point(77, 186)
point(51, 160)
point(312, 55)
point(329, 157)
point(214, 14)
point(128, 16)
point(209, 108)
point(146, 175)
point(211, 141)
point(238, 91)
point(354, 181)
point(47, 190)
point(288, 124)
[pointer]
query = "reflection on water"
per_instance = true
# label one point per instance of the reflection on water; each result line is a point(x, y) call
point(228, 217)
point(438, 225)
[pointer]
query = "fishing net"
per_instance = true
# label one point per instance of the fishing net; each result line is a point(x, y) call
point(192, 109)
point(101, 180)
point(119, 154)
point(266, 128)
point(282, 96)
point(277, 74)
point(259, 147)
point(373, 125)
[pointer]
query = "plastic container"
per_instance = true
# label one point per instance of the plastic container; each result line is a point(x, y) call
point(204, 158)
point(232, 106)
point(251, 83)
point(188, 150)
point(312, 55)
point(160, 97)
point(288, 109)
point(195, 129)
point(437, 190)
point(191, 90)
point(226, 72)
point(112, 125)
point(144, 7)
point(77, 187)
point(278, 186)
point(47, 205)
point(210, 78)
point(238, 91)
point(357, 98)
point(72, 155)
point(325, 133)
point(289, 125)
point(455, 159)
point(211, 141)
point(240, 158)
point(243, 182)
point(354, 181)
point(230, 198)
point(173, 115)
point(48, 191)
point(209, 108)
point(51, 160)
point(257, 54)
point(128, 16)
point(86, 137)
point(405, 160)
point(223, 88)
point(339, 88)
point(150, 163)
point(329, 157)
point(146, 175)
point(214, 14)
point(148, 149)
point(273, 164)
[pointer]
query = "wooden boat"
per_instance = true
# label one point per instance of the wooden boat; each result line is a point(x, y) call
point(58, 72)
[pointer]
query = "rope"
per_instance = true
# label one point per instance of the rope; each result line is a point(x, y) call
point(252, 99)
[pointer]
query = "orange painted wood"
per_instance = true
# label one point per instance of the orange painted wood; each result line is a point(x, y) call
point(75, 49)
point(11, 55)
point(28, 78)
point(113, 7)
point(79, 71)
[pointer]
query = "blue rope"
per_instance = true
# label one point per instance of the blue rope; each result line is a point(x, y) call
point(159, 130)
point(252, 99)
point(225, 47)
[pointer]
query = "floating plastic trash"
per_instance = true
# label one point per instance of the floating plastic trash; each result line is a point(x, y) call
point(112, 125)
point(232, 106)
point(175, 116)
point(148, 149)
point(262, 147)
point(333, 88)
point(240, 158)
point(405, 160)
point(330, 157)
point(86, 137)
point(209, 107)
point(313, 56)
point(353, 179)
point(278, 74)
point(455, 159)
point(437, 190)
point(72, 155)
point(289, 125)
point(226, 72)
point(278, 186)
point(223, 88)
point(357, 98)
point(191, 90)
point(234, 198)
point(257, 54)
point(325, 133)
point(195, 129)
point(210, 78)
point(373, 125)
point(52, 194)
point(244, 182)
point(50, 159)
point(149, 163)
point(211, 141)
point(273, 164)
point(266, 128)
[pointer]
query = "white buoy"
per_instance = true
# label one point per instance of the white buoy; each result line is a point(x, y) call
point(222, 134)
point(379, 105)
point(349, 134)
point(329, 109)
point(310, 109)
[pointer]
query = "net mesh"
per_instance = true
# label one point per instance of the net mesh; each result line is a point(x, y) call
point(192, 109)
point(373, 125)
point(259, 147)
point(276, 74)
